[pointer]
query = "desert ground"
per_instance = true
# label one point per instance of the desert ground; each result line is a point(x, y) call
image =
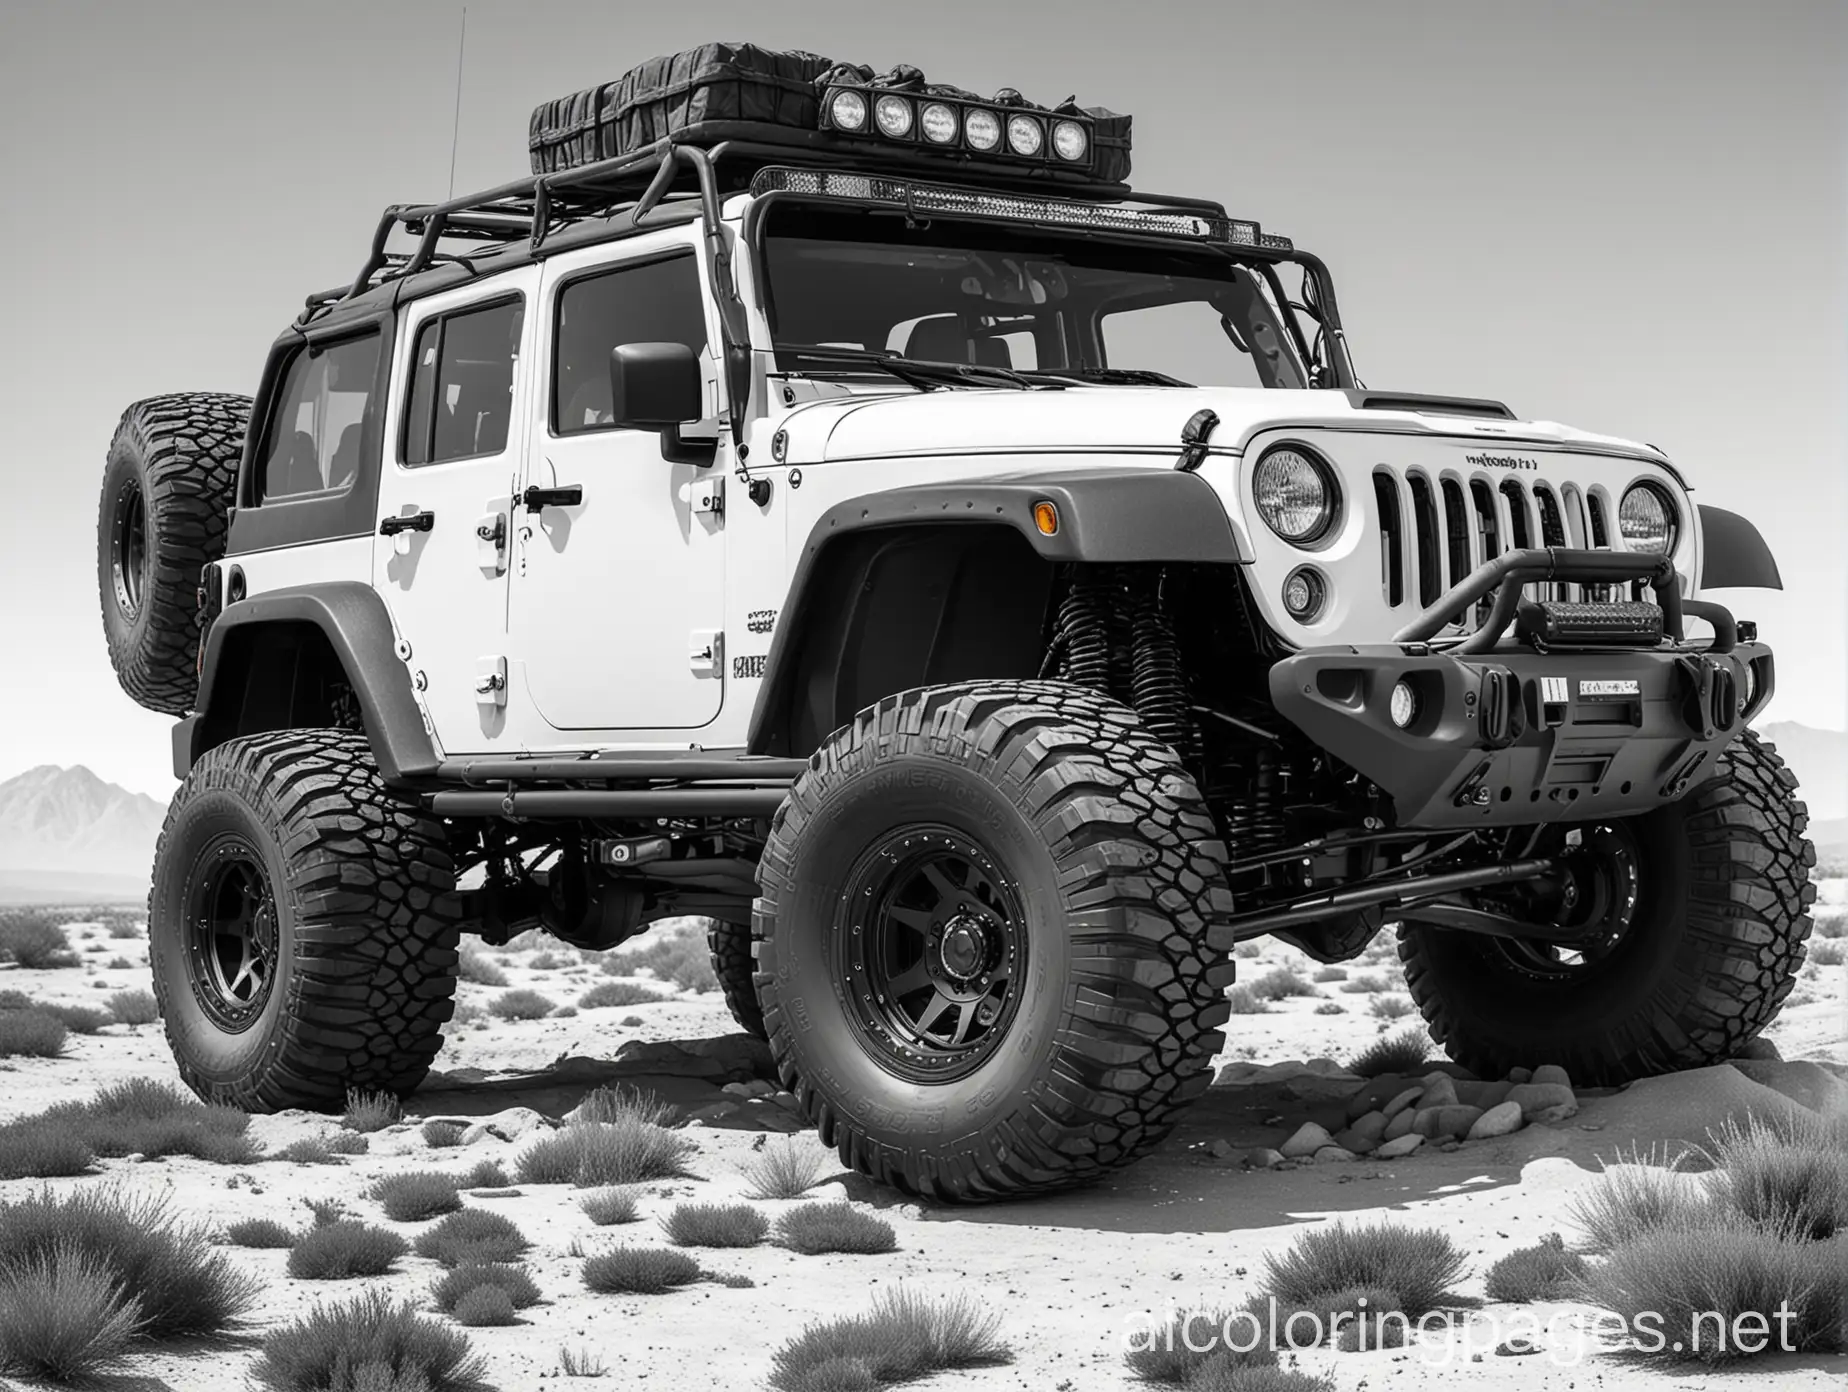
point(1188, 1227)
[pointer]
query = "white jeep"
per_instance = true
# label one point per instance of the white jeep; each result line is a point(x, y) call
point(985, 594)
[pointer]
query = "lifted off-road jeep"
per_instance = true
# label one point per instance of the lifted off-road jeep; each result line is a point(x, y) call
point(837, 507)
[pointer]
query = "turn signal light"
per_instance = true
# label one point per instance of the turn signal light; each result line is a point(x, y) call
point(1046, 518)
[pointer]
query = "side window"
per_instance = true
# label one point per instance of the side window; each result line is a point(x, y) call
point(653, 302)
point(319, 419)
point(461, 391)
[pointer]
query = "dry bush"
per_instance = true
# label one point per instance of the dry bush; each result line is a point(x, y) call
point(134, 1007)
point(1788, 1177)
point(610, 994)
point(617, 1139)
point(78, 1019)
point(64, 1317)
point(1546, 1271)
point(366, 1344)
point(515, 1281)
point(1245, 1001)
point(1190, 1343)
point(520, 1005)
point(473, 1237)
point(1366, 984)
point(609, 1207)
point(834, 1227)
point(31, 1034)
point(484, 1307)
point(682, 958)
point(1324, 975)
point(715, 1225)
point(477, 968)
point(1227, 1375)
point(783, 1170)
point(1829, 952)
point(1329, 1007)
point(1401, 1053)
point(584, 1363)
point(416, 1195)
point(343, 1249)
point(904, 1336)
point(183, 1286)
point(34, 940)
point(1418, 1264)
point(1389, 1007)
point(485, 1174)
point(325, 1212)
point(639, 1271)
point(370, 1111)
point(261, 1233)
point(310, 1150)
point(134, 1117)
point(32, 1151)
point(1280, 984)
point(1638, 1196)
point(442, 1135)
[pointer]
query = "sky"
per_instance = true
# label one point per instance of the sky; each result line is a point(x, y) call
point(1625, 216)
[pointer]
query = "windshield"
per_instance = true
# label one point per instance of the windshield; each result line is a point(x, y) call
point(1031, 300)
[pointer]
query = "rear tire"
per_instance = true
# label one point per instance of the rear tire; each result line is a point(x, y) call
point(1712, 949)
point(167, 492)
point(302, 925)
point(1055, 1005)
point(736, 969)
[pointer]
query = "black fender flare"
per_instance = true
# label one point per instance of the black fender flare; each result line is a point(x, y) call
point(1734, 554)
point(353, 619)
point(1105, 515)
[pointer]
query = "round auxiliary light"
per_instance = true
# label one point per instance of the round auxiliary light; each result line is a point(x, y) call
point(1025, 136)
point(847, 109)
point(938, 122)
point(1069, 142)
point(893, 115)
point(982, 129)
point(1404, 708)
point(1295, 495)
point(1647, 520)
point(1304, 592)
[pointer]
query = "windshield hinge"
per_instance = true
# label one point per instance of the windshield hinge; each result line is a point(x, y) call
point(1194, 436)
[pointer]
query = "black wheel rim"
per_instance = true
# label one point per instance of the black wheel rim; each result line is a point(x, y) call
point(128, 551)
point(933, 951)
point(232, 933)
point(1602, 895)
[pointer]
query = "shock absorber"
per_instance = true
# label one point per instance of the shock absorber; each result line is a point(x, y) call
point(1157, 684)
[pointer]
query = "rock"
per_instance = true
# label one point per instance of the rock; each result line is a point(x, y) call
point(1537, 1097)
point(1483, 1095)
point(1221, 1150)
point(1435, 1123)
point(1332, 1154)
point(1502, 1120)
point(1351, 1140)
point(1369, 1128)
point(716, 1111)
point(1264, 1158)
point(757, 1087)
point(1399, 1146)
point(778, 1120)
point(1758, 1048)
point(1440, 1090)
point(1401, 1101)
point(1520, 1075)
point(1309, 1138)
point(1552, 1116)
point(1400, 1125)
point(1452, 1144)
point(1551, 1073)
point(509, 1125)
point(493, 1193)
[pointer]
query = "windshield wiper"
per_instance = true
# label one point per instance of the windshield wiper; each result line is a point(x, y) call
point(1110, 376)
point(917, 372)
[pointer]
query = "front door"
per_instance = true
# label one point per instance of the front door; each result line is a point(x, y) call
point(452, 453)
point(619, 585)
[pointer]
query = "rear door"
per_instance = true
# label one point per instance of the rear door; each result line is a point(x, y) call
point(452, 456)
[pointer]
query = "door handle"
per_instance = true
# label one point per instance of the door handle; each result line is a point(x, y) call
point(537, 498)
point(416, 522)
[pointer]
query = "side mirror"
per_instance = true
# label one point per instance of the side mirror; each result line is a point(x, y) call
point(655, 386)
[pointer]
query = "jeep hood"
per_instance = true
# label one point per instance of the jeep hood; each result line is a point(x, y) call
point(1132, 420)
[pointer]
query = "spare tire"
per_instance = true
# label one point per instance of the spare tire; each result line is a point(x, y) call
point(167, 492)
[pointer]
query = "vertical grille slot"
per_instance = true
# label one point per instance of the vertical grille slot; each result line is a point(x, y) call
point(1392, 538)
point(1595, 506)
point(1483, 498)
point(1429, 556)
point(1517, 514)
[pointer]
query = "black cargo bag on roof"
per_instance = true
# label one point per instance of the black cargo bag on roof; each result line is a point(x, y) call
point(666, 96)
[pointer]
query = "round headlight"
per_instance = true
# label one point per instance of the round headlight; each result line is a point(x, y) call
point(893, 115)
point(982, 129)
point(939, 123)
point(847, 109)
point(1647, 520)
point(1404, 709)
point(1304, 591)
point(1069, 141)
point(1025, 135)
point(1294, 494)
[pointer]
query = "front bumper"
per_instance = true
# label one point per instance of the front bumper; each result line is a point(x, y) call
point(1507, 735)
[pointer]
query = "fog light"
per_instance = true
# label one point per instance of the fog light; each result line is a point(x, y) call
point(1304, 592)
point(1404, 704)
point(847, 109)
point(1750, 687)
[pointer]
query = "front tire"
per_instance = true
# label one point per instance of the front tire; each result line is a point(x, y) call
point(302, 925)
point(986, 948)
point(1704, 963)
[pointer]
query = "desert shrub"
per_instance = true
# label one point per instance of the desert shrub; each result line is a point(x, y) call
point(472, 1237)
point(1697, 1279)
point(1329, 1007)
point(31, 1034)
point(120, 927)
point(33, 940)
point(833, 1227)
point(1280, 984)
point(259, 1232)
point(1223, 1374)
point(483, 1307)
point(782, 1170)
point(416, 1195)
point(1788, 1177)
point(1366, 984)
point(370, 1111)
point(78, 1019)
point(134, 1007)
point(1830, 920)
point(1248, 950)
point(344, 1249)
point(348, 1142)
point(441, 1135)
point(514, 1281)
point(1403, 1052)
point(623, 1103)
point(310, 1150)
point(1418, 1264)
point(1830, 952)
point(1245, 1001)
point(639, 1271)
point(609, 1207)
point(905, 1335)
point(479, 969)
point(368, 1343)
point(485, 1174)
point(609, 994)
point(595, 1153)
point(1324, 975)
point(545, 961)
point(584, 1363)
point(144, 1117)
point(1639, 1196)
point(715, 1225)
point(682, 958)
point(183, 1286)
point(325, 1212)
point(520, 1005)
point(63, 1316)
point(1389, 1007)
point(1546, 1271)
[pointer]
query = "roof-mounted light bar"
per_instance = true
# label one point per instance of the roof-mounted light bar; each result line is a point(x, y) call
point(1016, 207)
point(1062, 138)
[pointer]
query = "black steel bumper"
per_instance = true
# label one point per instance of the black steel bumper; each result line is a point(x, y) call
point(1504, 734)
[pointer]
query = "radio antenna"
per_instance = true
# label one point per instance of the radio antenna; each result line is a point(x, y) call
point(455, 130)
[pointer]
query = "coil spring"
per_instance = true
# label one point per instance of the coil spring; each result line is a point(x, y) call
point(1254, 817)
point(1158, 686)
point(1113, 634)
point(1083, 632)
